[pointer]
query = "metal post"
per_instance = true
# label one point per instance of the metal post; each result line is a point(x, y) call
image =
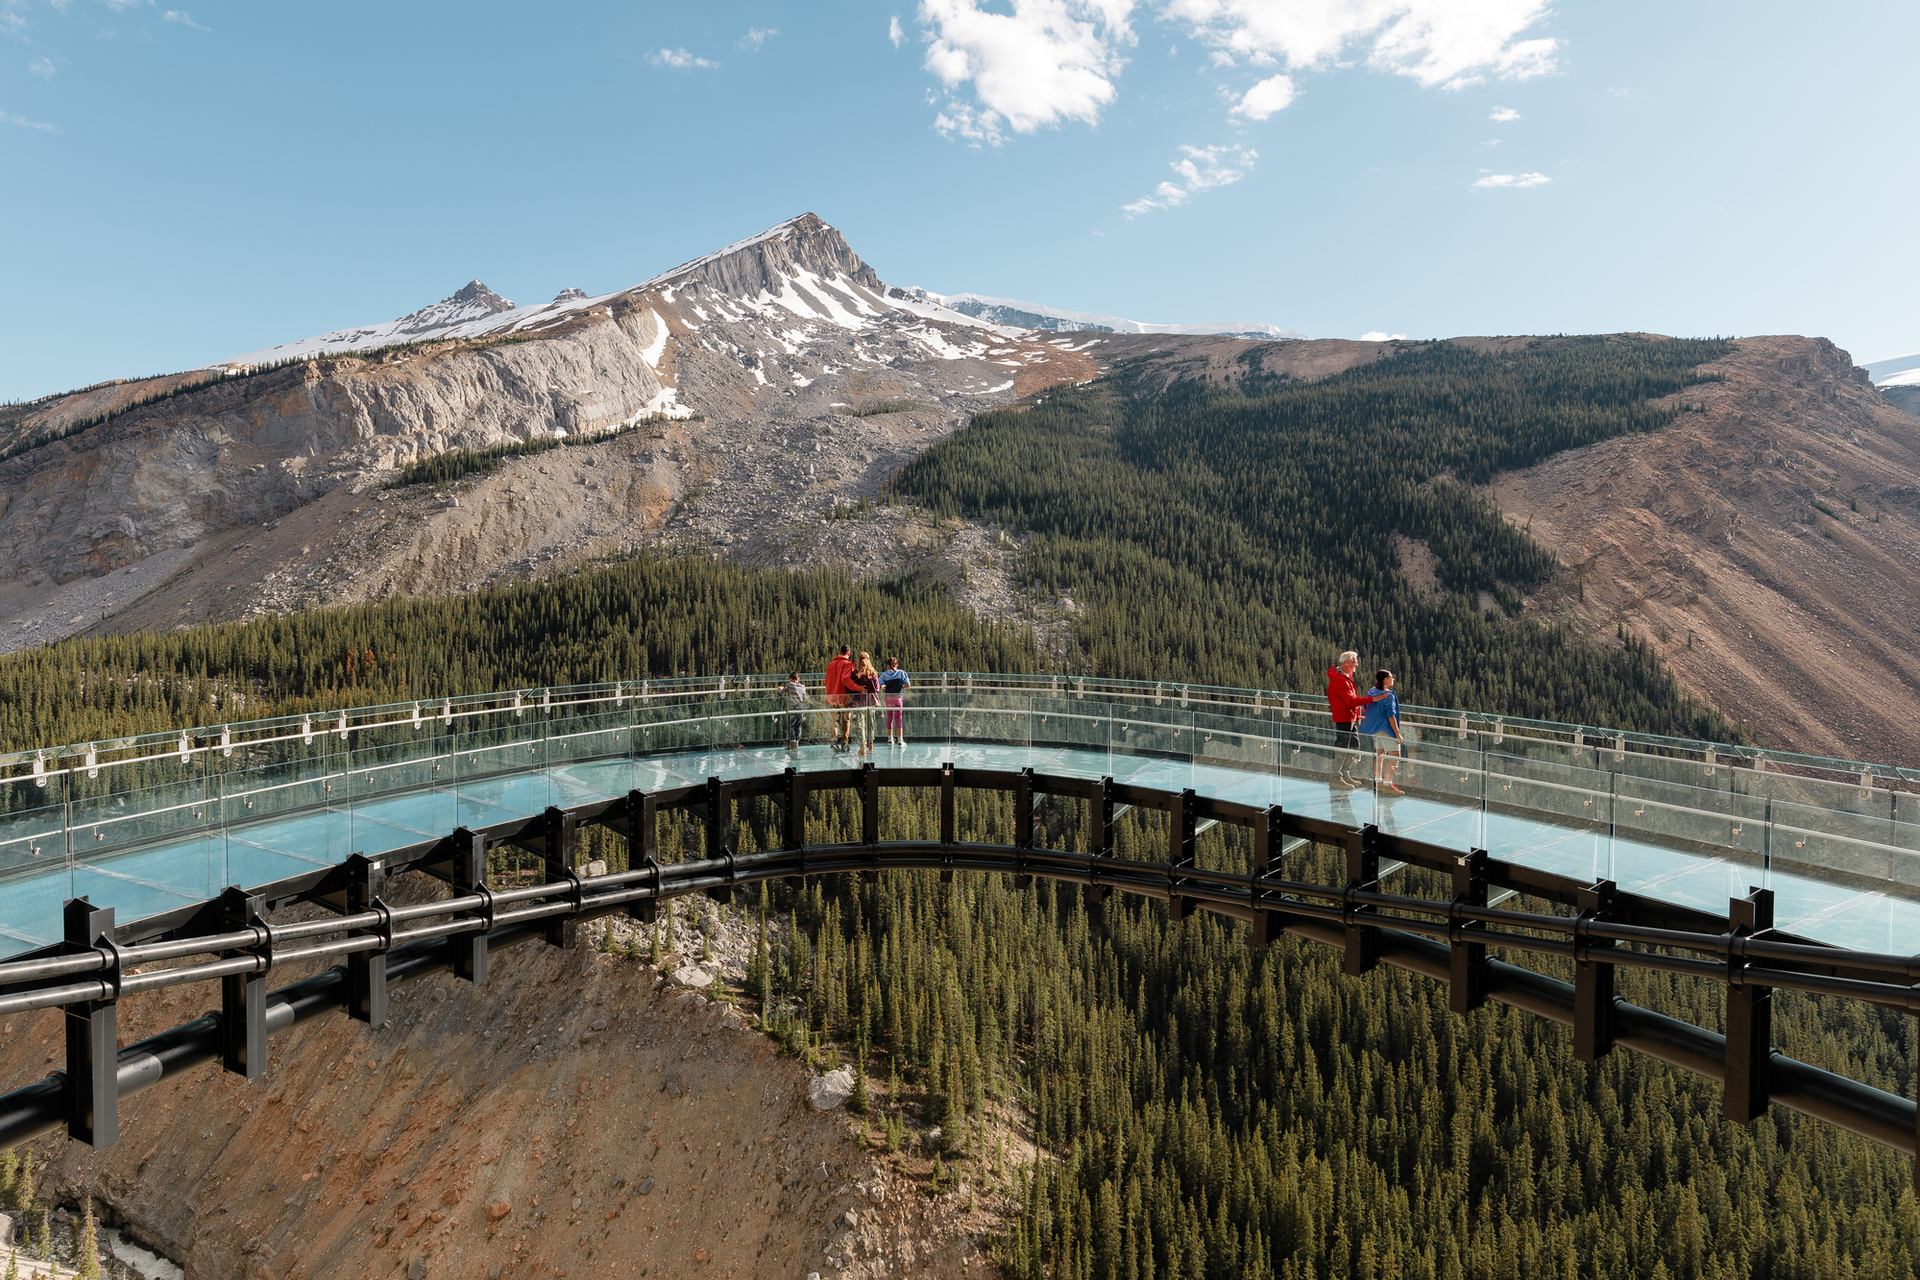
point(720, 835)
point(243, 996)
point(1363, 872)
point(558, 848)
point(795, 834)
point(1749, 1013)
point(1267, 837)
point(643, 850)
point(92, 1082)
point(367, 970)
point(1180, 847)
point(1467, 979)
point(1106, 817)
point(1592, 976)
point(469, 877)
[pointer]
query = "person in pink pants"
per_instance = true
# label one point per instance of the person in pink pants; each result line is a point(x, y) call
point(893, 689)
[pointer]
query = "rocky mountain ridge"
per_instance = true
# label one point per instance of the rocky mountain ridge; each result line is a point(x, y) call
point(776, 376)
point(1049, 319)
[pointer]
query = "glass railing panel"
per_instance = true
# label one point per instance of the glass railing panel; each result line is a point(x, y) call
point(1072, 736)
point(400, 788)
point(1153, 744)
point(984, 721)
point(499, 770)
point(1560, 827)
point(36, 875)
point(1695, 851)
point(589, 754)
point(285, 819)
point(1236, 757)
point(147, 851)
point(1442, 787)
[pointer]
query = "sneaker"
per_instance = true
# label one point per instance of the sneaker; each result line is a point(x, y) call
point(1391, 790)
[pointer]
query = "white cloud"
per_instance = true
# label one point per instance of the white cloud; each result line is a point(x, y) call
point(1275, 93)
point(13, 17)
point(1199, 169)
point(1381, 335)
point(680, 60)
point(183, 18)
point(21, 122)
point(894, 33)
point(1511, 181)
point(1503, 115)
point(757, 36)
point(1438, 43)
point(1043, 63)
point(43, 67)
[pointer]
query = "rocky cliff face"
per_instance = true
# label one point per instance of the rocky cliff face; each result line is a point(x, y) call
point(775, 377)
point(1767, 547)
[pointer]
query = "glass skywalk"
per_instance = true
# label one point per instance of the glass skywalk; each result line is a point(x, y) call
point(154, 824)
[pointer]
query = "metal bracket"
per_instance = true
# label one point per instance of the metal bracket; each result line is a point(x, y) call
point(1749, 1013)
point(92, 1083)
point(1467, 959)
point(243, 996)
point(1592, 978)
point(367, 970)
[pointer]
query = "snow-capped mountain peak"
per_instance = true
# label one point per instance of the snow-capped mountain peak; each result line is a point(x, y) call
point(1900, 371)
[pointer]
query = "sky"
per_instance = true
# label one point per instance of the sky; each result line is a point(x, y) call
point(179, 185)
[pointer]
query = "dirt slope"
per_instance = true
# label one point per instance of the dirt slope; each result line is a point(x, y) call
point(1768, 548)
point(572, 1118)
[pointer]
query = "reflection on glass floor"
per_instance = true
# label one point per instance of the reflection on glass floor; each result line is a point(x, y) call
point(172, 873)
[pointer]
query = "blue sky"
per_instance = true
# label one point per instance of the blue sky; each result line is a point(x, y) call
point(183, 184)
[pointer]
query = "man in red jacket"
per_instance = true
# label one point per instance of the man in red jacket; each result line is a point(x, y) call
point(835, 687)
point(1346, 704)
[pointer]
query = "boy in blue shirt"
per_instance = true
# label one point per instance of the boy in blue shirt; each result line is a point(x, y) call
point(1382, 724)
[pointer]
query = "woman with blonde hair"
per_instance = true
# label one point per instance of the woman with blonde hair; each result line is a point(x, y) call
point(863, 687)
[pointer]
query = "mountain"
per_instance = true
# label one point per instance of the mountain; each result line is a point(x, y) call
point(1898, 380)
point(1034, 315)
point(774, 377)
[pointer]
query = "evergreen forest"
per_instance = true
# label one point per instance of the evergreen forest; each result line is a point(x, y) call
point(1166, 1100)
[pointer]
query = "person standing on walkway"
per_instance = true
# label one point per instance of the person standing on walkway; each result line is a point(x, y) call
point(796, 691)
point(893, 688)
point(835, 688)
point(863, 695)
point(1381, 725)
point(1345, 703)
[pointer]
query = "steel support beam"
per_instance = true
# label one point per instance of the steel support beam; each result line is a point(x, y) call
point(1268, 835)
point(559, 849)
point(1181, 820)
point(1363, 872)
point(1022, 826)
point(1593, 1000)
point(243, 996)
point(794, 832)
point(92, 1086)
point(1467, 959)
point(643, 851)
point(870, 811)
point(720, 835)
point(367, 970)
point(1749, 1015)
point(468, 875)
point(948, 821)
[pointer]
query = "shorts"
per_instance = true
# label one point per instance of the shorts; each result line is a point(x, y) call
point(1385, 744)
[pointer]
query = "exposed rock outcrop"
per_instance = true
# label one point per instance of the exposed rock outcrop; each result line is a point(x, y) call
point(1766, 546)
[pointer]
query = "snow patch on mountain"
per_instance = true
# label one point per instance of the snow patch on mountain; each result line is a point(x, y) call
point(1033, 315)
point(1899, 371)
